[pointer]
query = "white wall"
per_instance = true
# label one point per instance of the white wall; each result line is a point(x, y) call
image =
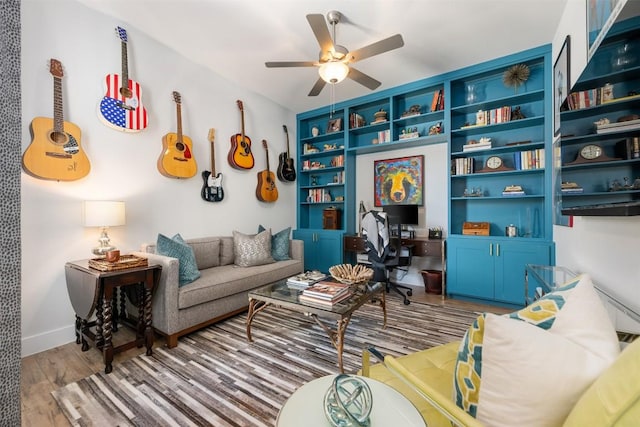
point(435, 210)
point(124, 165)
point(604, 247)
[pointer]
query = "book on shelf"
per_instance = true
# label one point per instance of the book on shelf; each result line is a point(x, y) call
point(513, 193)
point(326, 290)
point(618, 126)
point(572, 190)
point(476, 147)
point(306, 279)
point(323, 301)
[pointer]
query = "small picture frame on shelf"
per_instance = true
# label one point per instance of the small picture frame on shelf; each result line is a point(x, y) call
point(560, 83)
point(334, 125)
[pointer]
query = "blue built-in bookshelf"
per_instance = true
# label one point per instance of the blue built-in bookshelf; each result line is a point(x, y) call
point(444, 110)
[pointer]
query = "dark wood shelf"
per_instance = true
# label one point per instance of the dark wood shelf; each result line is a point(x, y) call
point(607, 209)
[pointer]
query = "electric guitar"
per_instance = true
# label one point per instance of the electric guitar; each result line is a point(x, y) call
point(240, 156)
point(176, 159)
point(55, 152)
point(121, 108)
point(286, 170)
point(212, 187)
point(266, 190)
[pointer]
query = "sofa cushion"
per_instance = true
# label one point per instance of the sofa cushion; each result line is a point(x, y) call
point(573, 314)
point(226, 250)
point(206, 251)
point(250, 250)
point(614, 398)
point(226, 280)
point(177, 248)
point(279, 243)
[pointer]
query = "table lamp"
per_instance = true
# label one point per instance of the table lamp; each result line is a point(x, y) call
point(103, 214)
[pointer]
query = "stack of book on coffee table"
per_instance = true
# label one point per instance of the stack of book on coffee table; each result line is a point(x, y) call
point(325, 293)
point(304, 280)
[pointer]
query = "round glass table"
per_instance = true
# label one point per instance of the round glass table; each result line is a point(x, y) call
point(305, 406)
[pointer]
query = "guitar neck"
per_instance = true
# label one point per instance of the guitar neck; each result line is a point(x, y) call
point(179, 117)
point(213, 160)
point(286, 132)
point(266, 150)
point(125, 67)
point(58, 119)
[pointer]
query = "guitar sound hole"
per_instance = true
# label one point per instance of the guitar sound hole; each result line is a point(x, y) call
point(125, 92)
point(246, 147)
point(59, 138)
point(180, 146)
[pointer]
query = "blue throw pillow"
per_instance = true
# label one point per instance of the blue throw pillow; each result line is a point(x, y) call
point(279, 243)
point(177, 248)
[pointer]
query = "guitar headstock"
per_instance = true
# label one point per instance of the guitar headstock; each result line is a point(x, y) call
point(264, 144)
point(122, 34)
point(285, 128)
point(240, 106)
point(55, 68)
point(176, 97)
point(212, 134)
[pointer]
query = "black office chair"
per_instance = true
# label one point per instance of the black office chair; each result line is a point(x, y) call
point(384, 249)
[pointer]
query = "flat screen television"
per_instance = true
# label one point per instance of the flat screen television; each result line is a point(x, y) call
point(406, 214)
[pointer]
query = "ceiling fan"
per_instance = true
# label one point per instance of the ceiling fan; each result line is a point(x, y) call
point(335, 60)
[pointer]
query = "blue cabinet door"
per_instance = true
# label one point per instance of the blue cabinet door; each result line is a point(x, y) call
point(510, 260)
point(470, 268)
point(322, 248)
point(493, 269)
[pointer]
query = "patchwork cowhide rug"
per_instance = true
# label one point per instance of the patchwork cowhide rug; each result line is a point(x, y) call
point(216, 377)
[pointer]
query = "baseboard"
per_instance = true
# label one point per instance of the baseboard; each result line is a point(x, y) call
point(48, 340)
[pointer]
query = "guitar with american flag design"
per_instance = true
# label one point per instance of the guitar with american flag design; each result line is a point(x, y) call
point(121, 108)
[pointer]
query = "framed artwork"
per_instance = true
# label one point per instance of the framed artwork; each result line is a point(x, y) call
point(601, 14)
point(399, 181)
point(334, 125)
point(560, 83)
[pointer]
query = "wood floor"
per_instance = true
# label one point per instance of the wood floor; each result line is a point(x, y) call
point(47, 371)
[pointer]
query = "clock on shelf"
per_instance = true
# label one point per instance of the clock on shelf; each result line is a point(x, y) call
point(495, 164)
point(591, 153)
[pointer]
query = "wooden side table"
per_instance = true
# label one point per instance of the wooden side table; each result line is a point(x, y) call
point(94, 290)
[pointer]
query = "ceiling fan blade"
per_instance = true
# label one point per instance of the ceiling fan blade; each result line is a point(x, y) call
point(315, 90)
point(363, 79)
point(274, 64)
point(376, 48)
point(321, 31)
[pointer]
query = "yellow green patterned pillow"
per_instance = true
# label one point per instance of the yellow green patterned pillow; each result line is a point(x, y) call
point(468, 370)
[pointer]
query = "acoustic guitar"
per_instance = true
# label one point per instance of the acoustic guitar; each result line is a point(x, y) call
point(240, 155)
point(266, 190)
point(212, 187)
point(55, 152)
point(286, 171)
point(176, 159)
point(121, 108)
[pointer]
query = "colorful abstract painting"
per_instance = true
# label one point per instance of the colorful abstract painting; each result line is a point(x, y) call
point(399, 181)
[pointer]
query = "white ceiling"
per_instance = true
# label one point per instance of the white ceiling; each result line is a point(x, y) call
point(234, 38)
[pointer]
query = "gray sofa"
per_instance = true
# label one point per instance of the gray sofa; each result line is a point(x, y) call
point(220, 292)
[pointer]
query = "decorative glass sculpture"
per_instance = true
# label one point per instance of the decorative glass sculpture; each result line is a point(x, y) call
point(348, 402)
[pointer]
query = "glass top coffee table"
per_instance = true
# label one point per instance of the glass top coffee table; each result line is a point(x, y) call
point(282, 295)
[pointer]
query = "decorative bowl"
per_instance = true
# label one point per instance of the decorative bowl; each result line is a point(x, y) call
point(351, 274)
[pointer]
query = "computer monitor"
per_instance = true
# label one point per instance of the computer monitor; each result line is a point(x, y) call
point(406, 214)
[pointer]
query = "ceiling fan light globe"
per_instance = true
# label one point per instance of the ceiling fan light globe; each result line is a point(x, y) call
point(333, 72)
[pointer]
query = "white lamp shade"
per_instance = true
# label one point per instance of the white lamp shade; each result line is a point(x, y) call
point(333, 71)
point(103, 213)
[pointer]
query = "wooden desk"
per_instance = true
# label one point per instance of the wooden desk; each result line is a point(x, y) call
point(420, 246)
point(90, 289)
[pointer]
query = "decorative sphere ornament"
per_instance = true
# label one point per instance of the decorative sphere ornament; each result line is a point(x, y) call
point(348, 402)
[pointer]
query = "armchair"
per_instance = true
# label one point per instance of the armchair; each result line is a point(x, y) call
point(611, 397)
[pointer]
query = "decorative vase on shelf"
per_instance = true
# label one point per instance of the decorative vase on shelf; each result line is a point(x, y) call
point(315, 131)
point(472, 96)
point(623, 58)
